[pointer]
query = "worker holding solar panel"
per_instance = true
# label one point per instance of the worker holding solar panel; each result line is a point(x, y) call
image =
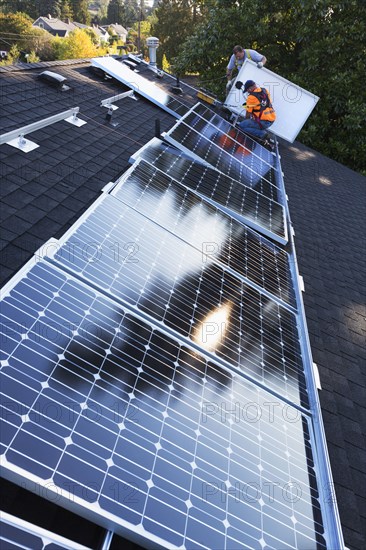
point(237, 60)
point(260, 114)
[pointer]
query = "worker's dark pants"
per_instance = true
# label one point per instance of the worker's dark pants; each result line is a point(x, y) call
point(250, 126)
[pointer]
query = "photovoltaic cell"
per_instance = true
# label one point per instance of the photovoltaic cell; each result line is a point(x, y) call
point(174, 207)
point(231, 153)
point(16, 534)
point(255, 209)
point(140, 263)
point(140, 85)
point(145, 431)
point(236, 136)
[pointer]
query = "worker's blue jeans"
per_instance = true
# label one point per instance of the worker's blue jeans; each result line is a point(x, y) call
point(250, 126)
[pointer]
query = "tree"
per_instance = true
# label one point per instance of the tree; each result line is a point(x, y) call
point(145, 32)
point(114, 11)
point(13, 29)
point(16, 29)
point(102, 12)
point(64, 10)
point(75, 46)
point(223, 24)
point(32, 57)
point(133, 13)
point(331, 64)
point(124, 12)
point(13, 56)
point(80, 11)
point(42, 8)
point(175, 21)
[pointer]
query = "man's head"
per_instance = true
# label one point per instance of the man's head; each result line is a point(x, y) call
point(238, 51)
point(249, 86)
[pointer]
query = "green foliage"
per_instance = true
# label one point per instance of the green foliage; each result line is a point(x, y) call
point(32, 57)
point(175, 22)
point(13, 56)
point(80, 11)
point(114, 11)
point(92, 35)
point(331, 64)
point(101, 17)
point(124, 12)
point(64, 10)
point(16, 29)
point(77, 45)
point(145, 32)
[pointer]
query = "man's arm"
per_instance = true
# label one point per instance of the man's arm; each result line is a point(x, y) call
point(262, 62)
point(230, 67)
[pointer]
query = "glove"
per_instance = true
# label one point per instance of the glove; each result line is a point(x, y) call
point(259, 64)
point(238, 85)
point(228, 86)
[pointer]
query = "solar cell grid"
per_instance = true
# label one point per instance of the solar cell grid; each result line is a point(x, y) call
point(258, 211)
point(148, 431)
point(230, 137)
point(227, 127)
point(136, 261)
point(159, 197)
point(209, 144)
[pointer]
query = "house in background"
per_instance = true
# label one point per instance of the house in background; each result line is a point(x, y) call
point(101, 33)
point(119, 30)
point(54, 26)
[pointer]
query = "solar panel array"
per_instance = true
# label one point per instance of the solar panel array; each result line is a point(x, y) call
point(131, 419)
point(140, 85)
point(153, 372)
point(248, 205)
point(140, 263)
point(229, 151)
point(214, 233)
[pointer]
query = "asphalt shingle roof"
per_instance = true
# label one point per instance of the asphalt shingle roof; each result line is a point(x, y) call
point(44, 192)
point(328, 210)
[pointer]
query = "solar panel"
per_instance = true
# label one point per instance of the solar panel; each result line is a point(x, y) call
point(163, 277)
point(232, 153)
point(18, 534)
point(176, 208)
point(140, 85)
point(145, 432)
point(240, 201)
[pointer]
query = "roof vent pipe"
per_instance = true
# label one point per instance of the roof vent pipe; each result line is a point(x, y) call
point(152, 42)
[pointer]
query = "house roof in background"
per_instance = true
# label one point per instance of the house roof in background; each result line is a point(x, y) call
point(54, 24)
point(45, 192)
point(117, 27)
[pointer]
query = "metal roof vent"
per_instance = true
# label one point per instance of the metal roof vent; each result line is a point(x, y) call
point(152, 42)
point(55, 79)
